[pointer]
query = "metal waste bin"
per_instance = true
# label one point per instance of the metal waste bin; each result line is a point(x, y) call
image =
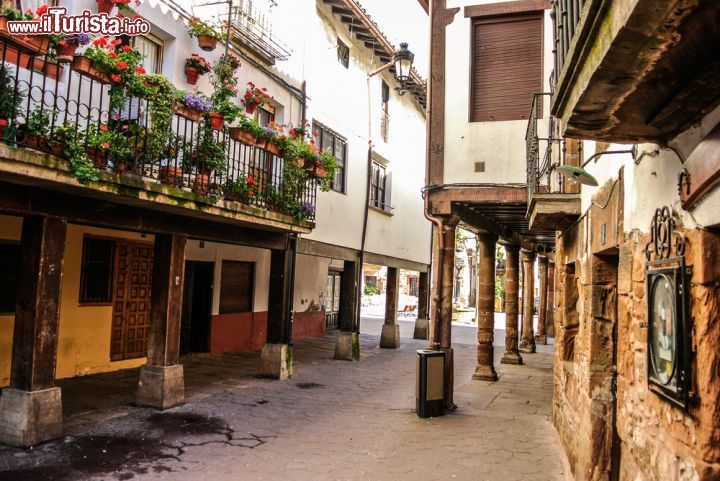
point(430, 383)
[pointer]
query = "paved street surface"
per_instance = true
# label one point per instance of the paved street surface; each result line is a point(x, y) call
point(334, 420)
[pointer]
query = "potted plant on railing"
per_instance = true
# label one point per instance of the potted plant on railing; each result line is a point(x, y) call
point(192, 106)
point(101, 141)
point(205, 157)
point(243, 189)
point(301, 131)
point(10, 99)
point(106, 6)
point(255, 97)
point(65, 45)
point(195, 65)
point(225, 85)
point(74, 151)
point(206, 34)
point(36, 129)
point(247, 130)
point(325, 169)
point(171, 172)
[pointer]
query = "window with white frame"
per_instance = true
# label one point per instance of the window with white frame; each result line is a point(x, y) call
point(380, 187)
point(152, 48)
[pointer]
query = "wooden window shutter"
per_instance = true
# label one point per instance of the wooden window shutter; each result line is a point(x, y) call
point(506, 67)
point(236, 287)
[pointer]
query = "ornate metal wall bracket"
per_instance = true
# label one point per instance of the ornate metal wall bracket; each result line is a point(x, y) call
point(665, 241)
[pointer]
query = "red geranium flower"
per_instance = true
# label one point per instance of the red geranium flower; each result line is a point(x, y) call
point(116, 78)
point(121, 65)
point(112, 55)
point(41, 9)
point(104, 127)
point(115, 42)
point(127, 48)
point(250, 181)
point(100, 41)
point(140, 69)
point(105, 145)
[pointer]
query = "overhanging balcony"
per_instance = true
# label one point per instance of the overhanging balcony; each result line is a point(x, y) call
point(553, 204)
point(635, 70)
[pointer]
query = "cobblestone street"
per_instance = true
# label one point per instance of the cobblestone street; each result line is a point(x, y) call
point(333, 420)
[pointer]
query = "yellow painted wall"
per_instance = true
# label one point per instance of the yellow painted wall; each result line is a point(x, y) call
point(84, 337)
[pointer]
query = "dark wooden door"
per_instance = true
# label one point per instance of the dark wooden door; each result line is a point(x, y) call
point(197, 307)
point(131, 301)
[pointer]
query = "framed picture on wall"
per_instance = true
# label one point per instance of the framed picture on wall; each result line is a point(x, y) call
point(669, 333)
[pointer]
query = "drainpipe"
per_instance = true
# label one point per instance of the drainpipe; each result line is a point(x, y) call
point(303, 102)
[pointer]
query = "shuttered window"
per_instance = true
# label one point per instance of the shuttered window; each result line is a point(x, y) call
point(236, 287)
point(506, 67)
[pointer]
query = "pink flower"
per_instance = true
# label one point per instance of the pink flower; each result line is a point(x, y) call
point(105, 145)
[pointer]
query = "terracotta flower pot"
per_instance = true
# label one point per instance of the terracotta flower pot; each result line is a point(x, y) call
point(83, 65)
point(105, 7)
point(202, 183)
point(186, 112)
point(272, 148)
point(52, 69)
point(171, 175)
point(241, 136)
point(216, 121)
point(35, 142)
point(99, 158)
point(56, 147)
point(261, 143)
point(207, 42)
point(309, 165)
point(250, 107)
point(65, 53)
point(191, 75)
point(3, 24)
point(321, 172)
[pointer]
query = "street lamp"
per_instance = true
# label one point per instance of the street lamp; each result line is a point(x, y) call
point(402, 61)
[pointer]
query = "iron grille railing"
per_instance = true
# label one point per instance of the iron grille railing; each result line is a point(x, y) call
point(566, 15)
point(540, 160)
point(70, 98)
point(253, 26)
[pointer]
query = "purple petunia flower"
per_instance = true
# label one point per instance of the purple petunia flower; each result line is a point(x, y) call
point(197, 102)
point(82, 38)
point(307, 207)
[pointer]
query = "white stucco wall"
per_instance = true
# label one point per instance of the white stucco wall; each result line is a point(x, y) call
point(500, 144)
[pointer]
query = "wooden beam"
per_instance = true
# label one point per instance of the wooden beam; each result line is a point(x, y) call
point(322, 249)
point(37, 315)
point(22, 200)
point(506, 8)
point(383, 260)
point(280, 302)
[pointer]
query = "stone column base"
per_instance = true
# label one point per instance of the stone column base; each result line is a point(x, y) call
point(276, 361)
point(485, 373)
point(161, 387)
point(422, 328)
point(28, 418)
point(390, 337)
point(511, 358)
point(541, 340)
point(347, 346)
point(527, 347)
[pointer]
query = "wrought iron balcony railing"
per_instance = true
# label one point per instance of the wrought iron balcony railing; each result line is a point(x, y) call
point(52, 113)
point(252, 25)
point(566, 15)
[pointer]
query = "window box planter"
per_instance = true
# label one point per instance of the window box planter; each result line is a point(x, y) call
point(52, 69)
point(186, 112)
point(250, 107)
point(191, 75)
point(36, 142)
point(272, 147)
point(84, 66)
point(33, 43)
point(207, 42)
point(240, 135)
point(216, 121)
point(65, 53)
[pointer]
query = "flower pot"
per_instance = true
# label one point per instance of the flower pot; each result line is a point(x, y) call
point(52, 69)
point(38, 65)
point(216, 121)
point(309, 165)
point(272, 148)
point(191, 75)
point(207, 42)
point(84, 66)
point(56, 147)
point(121, 166)
point(65, 53)
point(202, 183)
point(321, 171)
point(241, 136)
point(36, 142)
point(186, 112)
point(250, 107)
point(99, 158)
point(171, 175)
point(105, 6)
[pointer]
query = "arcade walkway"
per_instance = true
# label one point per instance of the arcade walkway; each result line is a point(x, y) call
point(334, 420)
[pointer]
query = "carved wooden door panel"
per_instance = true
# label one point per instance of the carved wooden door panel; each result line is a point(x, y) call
point(131, 303)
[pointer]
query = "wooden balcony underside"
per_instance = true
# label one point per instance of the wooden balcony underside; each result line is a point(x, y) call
point(554, 212)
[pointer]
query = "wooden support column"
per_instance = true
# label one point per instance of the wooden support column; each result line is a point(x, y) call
point(161, 383)
point(390, 337)
point(527, 343)
point(550, 315)
point(422, 323)
point(347, 345)
point(512, 283)
point(485, 371)
point(441, 313)
point(31, 408)
point(541, 336)
point(276, 357)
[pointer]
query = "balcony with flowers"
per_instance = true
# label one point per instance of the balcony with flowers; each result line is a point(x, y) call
point(111, 128)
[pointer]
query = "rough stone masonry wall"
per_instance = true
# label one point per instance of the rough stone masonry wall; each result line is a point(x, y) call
point(658, 441)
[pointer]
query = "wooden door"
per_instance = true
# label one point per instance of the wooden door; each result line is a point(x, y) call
point(131, 300)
